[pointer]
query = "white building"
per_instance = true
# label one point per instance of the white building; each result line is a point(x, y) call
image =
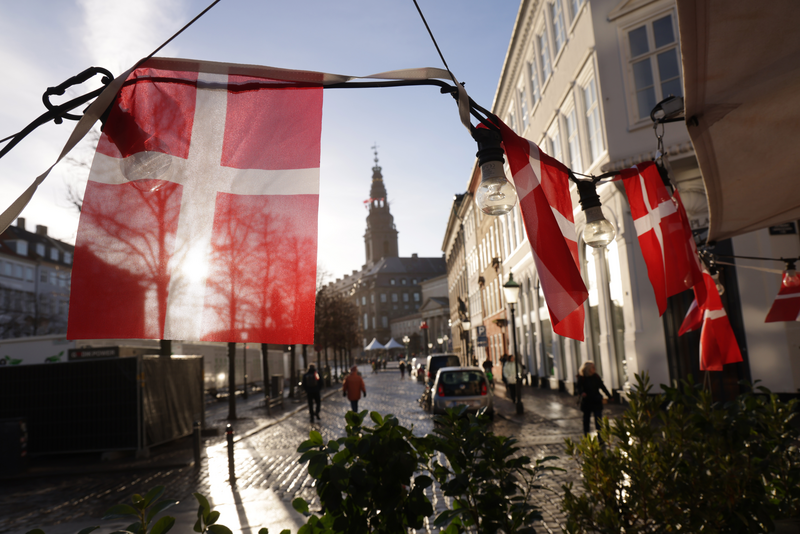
point(579, 79)
point(34, 282)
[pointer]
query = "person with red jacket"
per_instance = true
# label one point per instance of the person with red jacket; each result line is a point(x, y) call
point(352, 387)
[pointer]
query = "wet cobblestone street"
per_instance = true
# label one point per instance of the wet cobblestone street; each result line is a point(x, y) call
point(266, 459)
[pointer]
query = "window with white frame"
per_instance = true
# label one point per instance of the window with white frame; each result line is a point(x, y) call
point(523, 104)
point(573, 141)
point(511, 120)
point(554, 141)
point(594, 129)
point(575, 5)
point(535, 95)
point(654, 62)
point(544, 55)
point(40, 249)
point(559, 32)
point(54, 254)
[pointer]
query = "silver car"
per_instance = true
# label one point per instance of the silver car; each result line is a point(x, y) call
point(454, 386)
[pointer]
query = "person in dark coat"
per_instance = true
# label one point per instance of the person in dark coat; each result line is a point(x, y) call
point(312, 385)
point(589, 386)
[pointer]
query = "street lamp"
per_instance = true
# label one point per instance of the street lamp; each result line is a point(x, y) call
point(465, 324)
point(511, 290)
point(440, 340)
point(406, 340)
point(446, 346)
point(424, 327)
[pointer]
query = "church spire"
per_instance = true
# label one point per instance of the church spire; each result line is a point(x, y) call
point(380, 239)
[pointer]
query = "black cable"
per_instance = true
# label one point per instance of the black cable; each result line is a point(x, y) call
point(434, 42)
point(784, 260)
point(157, 50)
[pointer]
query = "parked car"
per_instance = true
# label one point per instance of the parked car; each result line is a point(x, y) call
point(455, 386)
point(436, 362)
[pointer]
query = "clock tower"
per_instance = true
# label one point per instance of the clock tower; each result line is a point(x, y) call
point(380, 239)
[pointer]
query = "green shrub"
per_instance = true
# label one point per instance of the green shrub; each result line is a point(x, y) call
point(367, 481)
point(679, 461)
point(374, 479)
point(490, 483)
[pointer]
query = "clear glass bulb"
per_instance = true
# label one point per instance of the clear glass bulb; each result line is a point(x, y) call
point(790, 278)
point(495, 195)
point(598, 232)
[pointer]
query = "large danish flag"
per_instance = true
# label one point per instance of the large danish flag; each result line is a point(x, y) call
point(664, 236)
point(787, 304)
point(542, 185)
point(199, 220)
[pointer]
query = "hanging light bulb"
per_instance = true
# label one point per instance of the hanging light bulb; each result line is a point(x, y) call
point(790, 276)
point(598, 231)
point(495, 194)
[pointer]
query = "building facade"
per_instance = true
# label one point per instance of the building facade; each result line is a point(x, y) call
point(580, 79)
point(35, 272)
point(387, 287)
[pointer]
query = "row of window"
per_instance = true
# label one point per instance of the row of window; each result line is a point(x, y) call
point(575, 137)
point(20, 246)
point(394, 296)
point(404, 281)
point(12, 269)
point(21, 302)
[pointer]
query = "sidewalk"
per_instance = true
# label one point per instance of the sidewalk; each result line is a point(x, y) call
point(549, 415)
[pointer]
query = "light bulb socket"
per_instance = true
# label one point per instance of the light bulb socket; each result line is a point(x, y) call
point(587, 195)
point(489, 146)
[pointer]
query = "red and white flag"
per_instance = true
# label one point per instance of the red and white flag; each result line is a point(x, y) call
point(787, 304)
point(718, 344)
point(664, 236)
point(542, 185)
point(199, 220)
point(693, 320)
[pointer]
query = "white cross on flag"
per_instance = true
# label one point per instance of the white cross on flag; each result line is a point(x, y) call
point(787, 304)
point(718, 344)
point(542, 185)
point(199, 220)
point(664, 236)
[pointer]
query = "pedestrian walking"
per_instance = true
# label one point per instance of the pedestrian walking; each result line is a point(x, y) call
point(487, 369)
point(312, 385)
point(402, 369)
point(352, 387)
point(589, 386)
point(510, 376)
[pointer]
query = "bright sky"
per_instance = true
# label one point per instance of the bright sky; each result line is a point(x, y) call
point(425, 152)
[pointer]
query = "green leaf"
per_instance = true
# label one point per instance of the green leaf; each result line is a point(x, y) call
point(86, 530)
point(138, 501)
point(300, 505)
point(136, 528)
point(376, 418)
point(219, 529)
point(162, 525)
point(37, 531)
point(316, 438)
point(158, 508)
point(120, 510)
point(264, 531)
point(204, 506)
point(153, 495)
point(284, 531)
point(212, 517)
point(198, 525)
